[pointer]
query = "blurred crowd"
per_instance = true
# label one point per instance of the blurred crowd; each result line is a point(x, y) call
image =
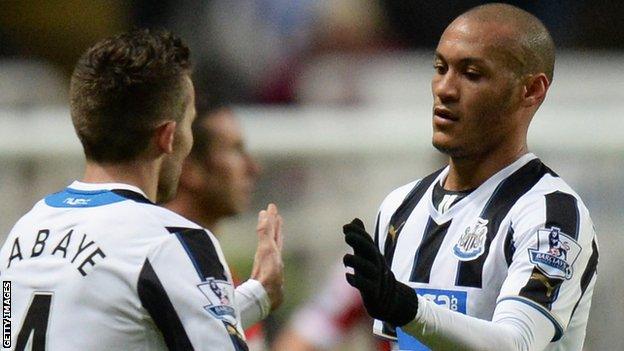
point(257, 51)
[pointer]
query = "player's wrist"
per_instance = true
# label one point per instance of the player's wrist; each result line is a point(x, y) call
point(404, 305)
point(256, 291)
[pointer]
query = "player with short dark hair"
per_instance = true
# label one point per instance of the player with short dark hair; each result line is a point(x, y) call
point(121, 78)
point(494, 251)
point(99, 265)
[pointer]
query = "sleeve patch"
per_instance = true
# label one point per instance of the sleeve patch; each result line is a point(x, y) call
point(555, 253)
point(219, 294)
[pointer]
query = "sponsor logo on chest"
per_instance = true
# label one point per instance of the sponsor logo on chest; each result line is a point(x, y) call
point(471, 244)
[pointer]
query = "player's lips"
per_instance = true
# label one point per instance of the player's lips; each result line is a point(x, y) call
point(443, 117)
point(444, 113)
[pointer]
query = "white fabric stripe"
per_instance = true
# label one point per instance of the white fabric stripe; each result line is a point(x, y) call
point(450, 199)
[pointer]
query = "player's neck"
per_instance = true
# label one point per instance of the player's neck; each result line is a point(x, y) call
point(470, 172)
point(144, 177)
point(185, 204)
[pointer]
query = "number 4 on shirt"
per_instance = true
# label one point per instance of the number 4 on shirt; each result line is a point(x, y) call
point(35, 323)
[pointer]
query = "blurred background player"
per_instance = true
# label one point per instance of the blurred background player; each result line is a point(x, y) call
point(329, 319)
point(217, 179)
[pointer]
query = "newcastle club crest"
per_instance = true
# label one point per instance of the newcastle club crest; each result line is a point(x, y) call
point(555, 253)
point(471, 244)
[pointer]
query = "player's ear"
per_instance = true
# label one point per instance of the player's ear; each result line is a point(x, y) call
point(534, 89)
point(165, 135)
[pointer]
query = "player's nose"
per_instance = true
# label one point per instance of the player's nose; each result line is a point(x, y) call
point(445, 87)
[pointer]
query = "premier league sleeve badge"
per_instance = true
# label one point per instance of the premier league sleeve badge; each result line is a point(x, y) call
point(220, 299)
point(555, 253)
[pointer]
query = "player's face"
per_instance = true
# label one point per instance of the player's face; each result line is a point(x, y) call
point(183, 141)
point(229, 172)
point(474, 90)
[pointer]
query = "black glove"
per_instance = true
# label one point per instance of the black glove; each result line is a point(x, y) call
point(384, 297)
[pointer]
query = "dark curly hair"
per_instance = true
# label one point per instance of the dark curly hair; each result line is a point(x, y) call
point(122, 87)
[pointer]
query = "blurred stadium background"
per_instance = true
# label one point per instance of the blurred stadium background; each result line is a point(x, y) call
point(335, 101)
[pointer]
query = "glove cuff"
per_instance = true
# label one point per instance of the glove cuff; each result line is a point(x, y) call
point(406, 305)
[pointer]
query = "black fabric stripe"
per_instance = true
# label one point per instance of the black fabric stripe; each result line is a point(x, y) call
point(541, 289)
point(510, 246)
point(132, 195)
point(400, 216)
point(237, 340)
point(592, 266)
point(562, 212)
point(155, 300)
point(201, 251)
point(428, 250)
point(470, 273)
point(174, 230)
point(376, 236)
point(588, 274)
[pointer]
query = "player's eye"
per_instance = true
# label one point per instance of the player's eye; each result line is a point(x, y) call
point(473, 75)
point(439, 67)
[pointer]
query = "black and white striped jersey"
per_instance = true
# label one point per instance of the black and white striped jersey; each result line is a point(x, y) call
point(523, 235)
point(99, 267)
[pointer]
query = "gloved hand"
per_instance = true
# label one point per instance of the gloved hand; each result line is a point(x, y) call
point(384, 297)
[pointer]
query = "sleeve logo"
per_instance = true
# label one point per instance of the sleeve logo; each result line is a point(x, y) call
point(555, 253)
point(219, 294)
point(471, 244)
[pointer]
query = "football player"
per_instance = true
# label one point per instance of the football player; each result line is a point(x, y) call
point(462, 259)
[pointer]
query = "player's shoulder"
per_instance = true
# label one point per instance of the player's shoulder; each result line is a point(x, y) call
point(170, 219)
point(552, 202)
point(396, 196)
point(120, 206)
point(138, 212)
point(552, 190)
point(394, 199)
point(172, 227)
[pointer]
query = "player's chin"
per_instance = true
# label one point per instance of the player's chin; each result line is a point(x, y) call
point(442, 140)
point(446, 145)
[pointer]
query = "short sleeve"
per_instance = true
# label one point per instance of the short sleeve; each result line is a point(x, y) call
point(553, 256)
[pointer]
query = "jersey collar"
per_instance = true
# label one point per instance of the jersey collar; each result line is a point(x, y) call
point(78, 185)
point(484, 190)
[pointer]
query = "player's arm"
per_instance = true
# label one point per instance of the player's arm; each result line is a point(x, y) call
point(263, 292)
point(184, 287)
point(514, 326)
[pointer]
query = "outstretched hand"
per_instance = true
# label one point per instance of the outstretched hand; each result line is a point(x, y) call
point(268, 267)
point(384, 297)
